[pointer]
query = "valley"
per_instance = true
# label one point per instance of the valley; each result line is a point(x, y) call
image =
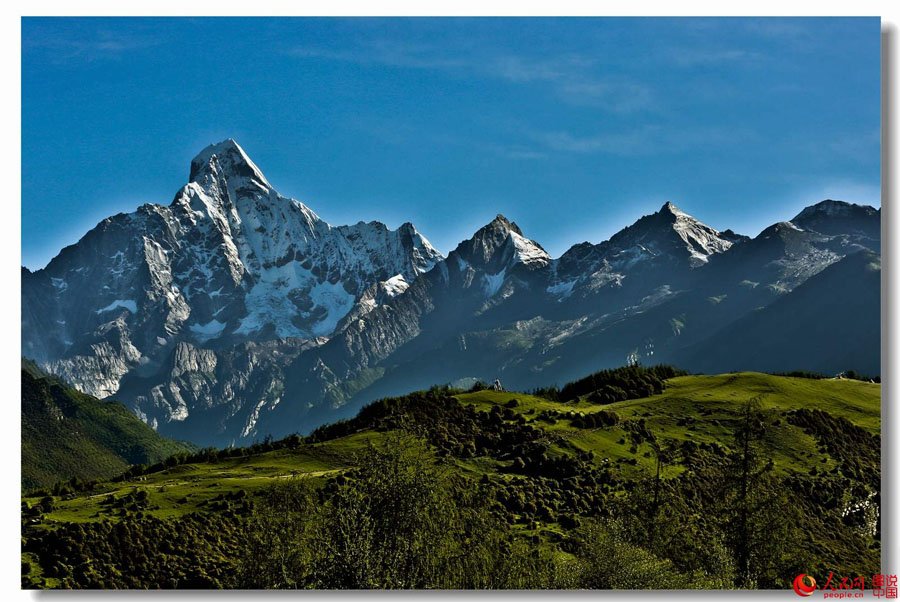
point(583, 460)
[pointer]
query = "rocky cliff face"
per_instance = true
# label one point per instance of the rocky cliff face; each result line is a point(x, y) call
point(228, 261)
point(215, 397)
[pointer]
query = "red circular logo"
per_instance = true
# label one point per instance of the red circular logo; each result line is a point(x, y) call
point(801, 587)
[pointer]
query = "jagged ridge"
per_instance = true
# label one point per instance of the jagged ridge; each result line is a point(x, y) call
point(234, 312)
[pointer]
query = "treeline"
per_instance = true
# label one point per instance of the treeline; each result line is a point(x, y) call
point(135, 471)
point(399, 519)
point(211, 454)
point(618, 384)
point(605, 386)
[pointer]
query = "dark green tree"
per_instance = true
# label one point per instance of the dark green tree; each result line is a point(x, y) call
point(758, 519)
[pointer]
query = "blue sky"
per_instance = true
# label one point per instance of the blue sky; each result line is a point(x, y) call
point(573, 128)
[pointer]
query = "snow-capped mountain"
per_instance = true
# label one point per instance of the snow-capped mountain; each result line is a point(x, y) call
point(229, 260)
point(488, 268)
point(500, 245)
point(479, 283)
point(491, 308)
point(653, 290)
point(662, 248)
point(235, 312)
point(669, 234)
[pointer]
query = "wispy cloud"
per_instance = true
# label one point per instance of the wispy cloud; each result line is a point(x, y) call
point(862, 147)
point(695, 57)
point(86, 45)
point(776, 27)
point(518, 152)
point(575, 82)
point(624, 143)
point(644, 140)
point(385, 52)
point(618, 96)
point(572, 78)
point(400, 131)
point(522, 69)
point(839, 147)
point(790, 35)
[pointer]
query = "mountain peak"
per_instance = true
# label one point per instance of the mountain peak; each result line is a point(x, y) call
point(228, 157)
point(832, 208)
point(839, 217)
point(669, 207)
point(500, 224)
point(668, 232)
point(501, 242)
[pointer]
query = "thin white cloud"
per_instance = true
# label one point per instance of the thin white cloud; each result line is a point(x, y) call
point(695, 57)
point(571, 77)
point(384, 52)
point(621, 96)
point(522, 69)
point(574, 82)
point(785, 28)
point(518, 152)
point(97, 45)
point(645, 140)
point(627, 143)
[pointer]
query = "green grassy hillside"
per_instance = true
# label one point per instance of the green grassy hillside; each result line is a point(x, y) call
point(551, 471)
point(66, 435)
point(705, 410)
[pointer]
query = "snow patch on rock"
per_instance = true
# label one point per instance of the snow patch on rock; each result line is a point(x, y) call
point(128, 304)
point(493, 282)
point(563, 289)
point(395, 285)
point(527, 251)
point(210, 330)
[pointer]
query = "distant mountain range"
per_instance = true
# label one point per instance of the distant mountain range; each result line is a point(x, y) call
point(234, 312)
